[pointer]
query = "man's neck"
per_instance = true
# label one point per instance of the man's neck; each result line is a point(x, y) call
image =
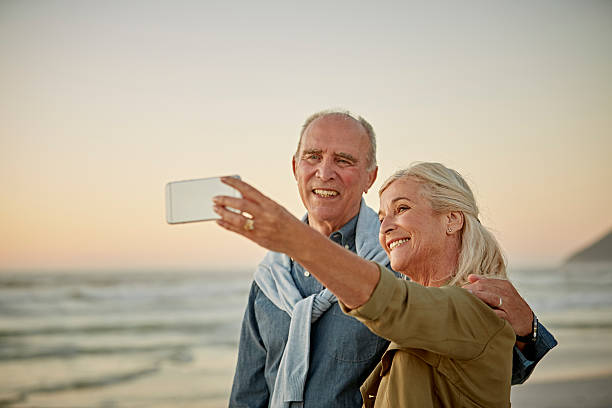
point(326, 227)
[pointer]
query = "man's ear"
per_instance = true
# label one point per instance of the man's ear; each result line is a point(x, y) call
point(454, 222)
point(293, 164)
point(371, 178)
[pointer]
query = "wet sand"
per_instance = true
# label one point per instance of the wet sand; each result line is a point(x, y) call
point(576, 373)
point(593, 392)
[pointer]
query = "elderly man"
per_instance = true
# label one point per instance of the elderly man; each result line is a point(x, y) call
point(297, 348)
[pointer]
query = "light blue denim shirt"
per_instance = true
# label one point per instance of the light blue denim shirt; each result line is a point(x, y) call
point(523, 364)
point(343, 351)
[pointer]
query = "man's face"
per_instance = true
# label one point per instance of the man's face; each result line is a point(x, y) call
point(331, 171)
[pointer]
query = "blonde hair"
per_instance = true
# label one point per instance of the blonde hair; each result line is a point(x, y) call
point(446, 191)
point(371, 154)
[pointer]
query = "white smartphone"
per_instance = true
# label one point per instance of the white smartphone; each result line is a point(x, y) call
point(191, 200)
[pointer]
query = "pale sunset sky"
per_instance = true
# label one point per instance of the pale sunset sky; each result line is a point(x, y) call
point(104, 102)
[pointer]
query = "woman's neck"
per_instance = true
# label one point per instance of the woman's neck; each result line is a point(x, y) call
point(438, 270)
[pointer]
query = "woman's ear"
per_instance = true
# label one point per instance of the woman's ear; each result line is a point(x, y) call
point(454, 222)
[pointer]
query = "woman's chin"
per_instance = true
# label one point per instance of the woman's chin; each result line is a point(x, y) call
point(400, 266)
point(399, 263)
point(403, 266)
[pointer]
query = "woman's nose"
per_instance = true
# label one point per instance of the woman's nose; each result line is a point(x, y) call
point(386, 226)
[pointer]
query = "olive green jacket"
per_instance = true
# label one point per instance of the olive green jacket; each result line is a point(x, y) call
point(448, 348)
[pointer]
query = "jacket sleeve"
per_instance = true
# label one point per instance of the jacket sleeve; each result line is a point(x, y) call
point(249, 389)
point(524, 363)
point(448, 321)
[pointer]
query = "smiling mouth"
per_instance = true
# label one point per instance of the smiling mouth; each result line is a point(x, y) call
point(397, 243)
point(325, 193)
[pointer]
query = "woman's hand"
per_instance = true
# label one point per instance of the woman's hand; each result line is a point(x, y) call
point(268, 224)
point(261, 219)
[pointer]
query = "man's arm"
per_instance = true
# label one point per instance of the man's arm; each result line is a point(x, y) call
point(525, 360)
point(509, 305)
point(249, 389)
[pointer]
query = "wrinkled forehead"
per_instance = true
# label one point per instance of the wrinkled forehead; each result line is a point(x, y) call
point(336, 133)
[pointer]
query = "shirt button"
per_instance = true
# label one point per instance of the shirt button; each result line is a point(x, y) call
point(347, 246)
point(306, 273)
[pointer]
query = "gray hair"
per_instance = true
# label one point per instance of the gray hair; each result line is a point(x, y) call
point(446, 190)
point(371, 156)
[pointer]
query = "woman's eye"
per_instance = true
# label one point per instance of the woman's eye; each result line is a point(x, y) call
point(402, 208)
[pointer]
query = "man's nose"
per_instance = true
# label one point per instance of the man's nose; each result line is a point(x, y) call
point(326, 170)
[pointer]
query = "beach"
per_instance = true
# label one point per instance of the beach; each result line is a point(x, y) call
point(576, 373)
point(594, 392)
point(575, 303)
point(162, 339)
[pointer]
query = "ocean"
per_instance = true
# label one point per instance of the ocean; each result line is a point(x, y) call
point(119, 339)
point(169, 338)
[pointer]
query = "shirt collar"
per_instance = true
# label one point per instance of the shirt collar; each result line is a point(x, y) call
point(345, 236)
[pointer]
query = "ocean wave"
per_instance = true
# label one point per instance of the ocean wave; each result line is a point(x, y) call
point(172, 351)
point(143, 300)
point(579, 325)
point(109, 279)
point(63, 344)
point(16, 351)
point(80, 383)
point(141, 328)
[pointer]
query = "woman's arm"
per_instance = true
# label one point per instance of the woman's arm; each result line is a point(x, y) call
point(349, 277)
point(448, 320)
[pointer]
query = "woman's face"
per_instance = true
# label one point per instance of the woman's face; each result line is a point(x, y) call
point(411, 233)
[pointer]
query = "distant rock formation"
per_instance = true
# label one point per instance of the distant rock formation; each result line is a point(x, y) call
point(600, 251)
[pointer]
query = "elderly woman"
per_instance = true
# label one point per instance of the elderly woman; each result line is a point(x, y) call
point(447, 348)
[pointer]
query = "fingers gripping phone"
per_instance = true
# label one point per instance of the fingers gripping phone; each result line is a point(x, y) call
point(191, 200)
